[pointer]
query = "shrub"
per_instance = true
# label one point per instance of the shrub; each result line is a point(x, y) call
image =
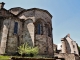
point(25, 49)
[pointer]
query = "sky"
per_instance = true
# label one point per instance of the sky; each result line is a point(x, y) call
point(66, 15)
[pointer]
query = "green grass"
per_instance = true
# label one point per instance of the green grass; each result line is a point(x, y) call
point(9, 57)
point(4, 57)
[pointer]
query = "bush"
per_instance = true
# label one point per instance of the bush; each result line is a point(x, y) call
point(25, 49)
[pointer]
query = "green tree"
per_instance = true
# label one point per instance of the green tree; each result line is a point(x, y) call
point(79, 49)
point(26, 49)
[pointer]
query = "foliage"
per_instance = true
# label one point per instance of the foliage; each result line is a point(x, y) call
point(26, 49)
point(79, 48)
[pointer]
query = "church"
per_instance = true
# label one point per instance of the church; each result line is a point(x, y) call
point(19, 25)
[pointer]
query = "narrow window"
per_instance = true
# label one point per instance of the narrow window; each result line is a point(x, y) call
point(74, 52)
point(15, 27)
point(39, 29)
point(73, 46)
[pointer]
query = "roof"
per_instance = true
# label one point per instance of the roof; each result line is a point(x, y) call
point(23, 10)
point(19, 9)
point(40, 10)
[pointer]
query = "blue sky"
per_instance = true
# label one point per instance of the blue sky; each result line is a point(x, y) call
point(66, 15)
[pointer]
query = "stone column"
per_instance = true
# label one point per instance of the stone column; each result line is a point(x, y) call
point(3, 40)
point(63, 45)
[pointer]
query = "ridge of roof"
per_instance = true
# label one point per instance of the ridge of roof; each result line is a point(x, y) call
point(31, 9)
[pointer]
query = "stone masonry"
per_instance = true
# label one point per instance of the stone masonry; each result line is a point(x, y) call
point(18, 26)
point(69, 46)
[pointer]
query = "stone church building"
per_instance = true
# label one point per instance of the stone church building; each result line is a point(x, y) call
point(18, 26)
point(69, 45)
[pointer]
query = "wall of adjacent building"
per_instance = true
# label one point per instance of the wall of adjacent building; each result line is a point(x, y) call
point(68, 56)
point(69, 46)
point(73, 46)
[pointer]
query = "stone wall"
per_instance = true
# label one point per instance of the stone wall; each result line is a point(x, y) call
point(50, 45)
point(15, 58)
point(69, 46)
point(9, 40)
point(26, 20)
point(43, 41)
point(77, 57)
point(45, 44)
point(68, 56)
point(13, 39)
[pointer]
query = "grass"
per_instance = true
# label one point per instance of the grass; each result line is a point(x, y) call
point(4, 57)
point(8, 57)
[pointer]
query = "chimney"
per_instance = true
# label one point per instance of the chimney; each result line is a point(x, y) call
point(1, 5)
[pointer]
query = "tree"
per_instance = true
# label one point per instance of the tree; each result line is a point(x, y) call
point(79, 49)
point(26, 49)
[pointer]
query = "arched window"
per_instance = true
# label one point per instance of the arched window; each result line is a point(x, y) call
point(39, 28)
point(16, 28)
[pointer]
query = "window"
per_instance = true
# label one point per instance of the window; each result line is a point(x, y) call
point(39, 28)
point(74, 52)
point(15, 27)
point(73, 46)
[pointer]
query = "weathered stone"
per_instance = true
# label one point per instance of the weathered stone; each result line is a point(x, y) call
point(20, 26)
point(69, 46)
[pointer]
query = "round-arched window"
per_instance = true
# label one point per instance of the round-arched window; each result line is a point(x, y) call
point(38, 28)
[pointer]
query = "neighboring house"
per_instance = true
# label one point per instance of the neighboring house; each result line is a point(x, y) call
point(55, 48)
point(68, 49)
point(18, 26)
point(69, 46)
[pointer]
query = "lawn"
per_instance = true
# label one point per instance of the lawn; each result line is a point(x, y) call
point(4, 57)
point(18, 57)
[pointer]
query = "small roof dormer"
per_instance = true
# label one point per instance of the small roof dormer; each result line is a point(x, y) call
point(2, 5)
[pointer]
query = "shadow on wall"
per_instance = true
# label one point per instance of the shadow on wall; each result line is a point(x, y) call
point(28, 32)
point(68, 50)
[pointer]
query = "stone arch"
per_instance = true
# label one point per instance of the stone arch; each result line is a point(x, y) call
point(29, 32)
point(48, 28)
point(39, 26)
